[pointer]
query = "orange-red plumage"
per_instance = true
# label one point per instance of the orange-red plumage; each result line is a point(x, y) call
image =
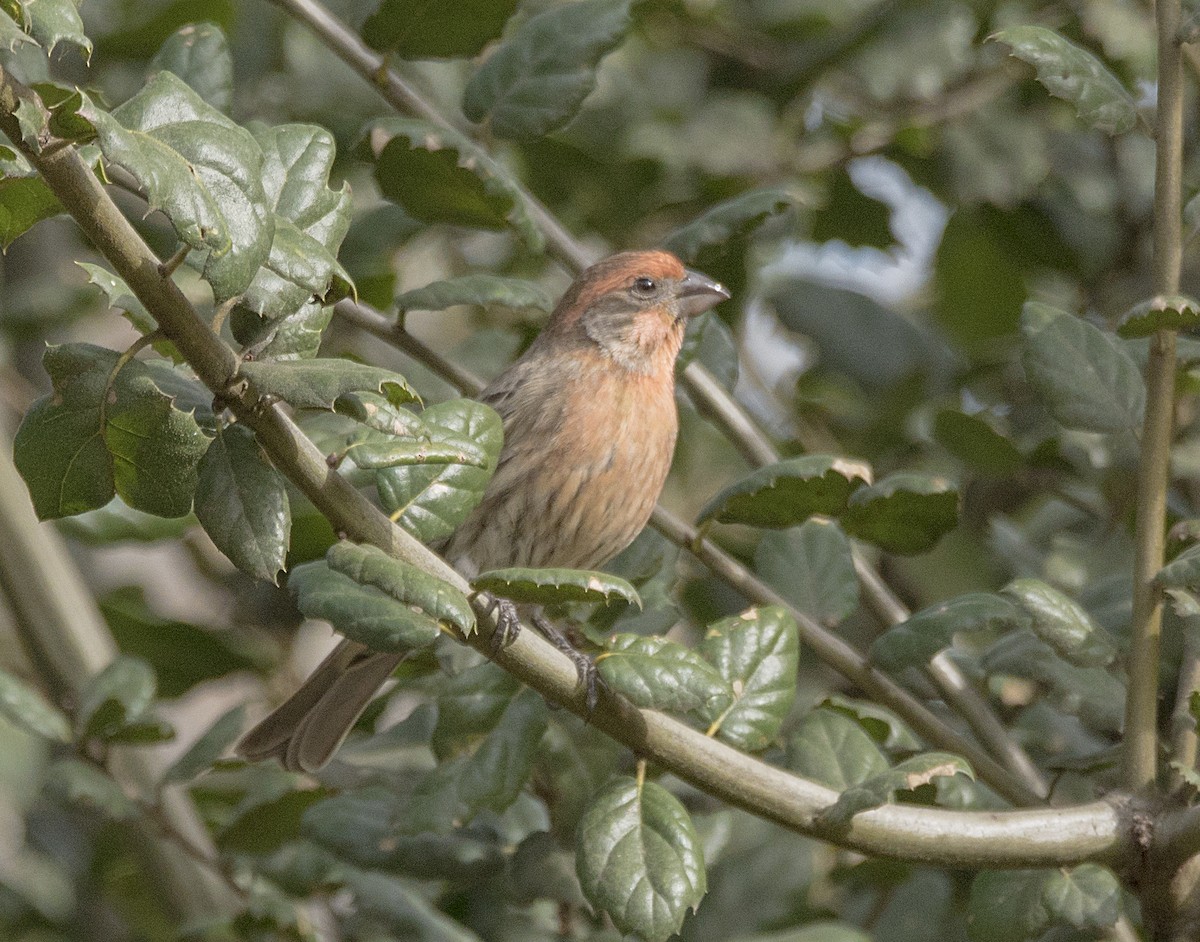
point(589, 431)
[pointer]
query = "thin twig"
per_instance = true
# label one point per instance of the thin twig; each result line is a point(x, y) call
point(1141, 713)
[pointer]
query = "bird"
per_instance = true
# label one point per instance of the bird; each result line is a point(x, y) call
point(590, 425)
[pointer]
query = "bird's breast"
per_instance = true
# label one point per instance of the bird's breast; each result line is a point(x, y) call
point(580, 471)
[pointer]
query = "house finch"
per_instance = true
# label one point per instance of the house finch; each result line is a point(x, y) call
point(589, 430)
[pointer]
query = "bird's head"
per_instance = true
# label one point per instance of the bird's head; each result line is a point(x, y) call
point(634, 306)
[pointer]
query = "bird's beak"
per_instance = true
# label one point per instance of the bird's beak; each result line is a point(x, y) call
point(697, 293)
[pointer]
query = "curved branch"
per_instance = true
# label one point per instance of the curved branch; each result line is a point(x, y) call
point(1096, 831)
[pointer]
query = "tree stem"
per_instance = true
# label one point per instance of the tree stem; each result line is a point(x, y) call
point(1141, 710)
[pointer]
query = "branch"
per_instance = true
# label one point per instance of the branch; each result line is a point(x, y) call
point(1044, 837)
point(1141, 715)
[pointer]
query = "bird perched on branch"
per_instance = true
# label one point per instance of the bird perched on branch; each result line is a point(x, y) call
point(589, 431)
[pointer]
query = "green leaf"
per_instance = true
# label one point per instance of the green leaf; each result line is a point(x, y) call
point(199, 54)
point(59, 448)
point(122, 299)
point(481, 289)
point(708, 341)
point(916, 640)
point(1172, 312)
point(27, 708)
point(391, 454)
point(316, 384)
point(491, 777)
point(65, 121)
point(1011, 905)
point(263, 828)
point(242, 503)
point(78, 783)
point(1093, 694)
point(439, 175)
point(362, 613)
point(837, 320)
point(973, 441)
point(469, 706)
point(415, 29)
point(979, 286)
point(881, 789)
point(397, 905)
point(25, 200)
point(550, 586)
point(202, 170)
point(422, 593)
point(660, 674)
point(832, 749)
point(117, 696)
point(430, 501)
point(206, 750)
point(757, 654)
point(358, 826)
point(11, 34)
point(1063, 623)
point(731, 219)
point(1085, 378)
point(639, 859)
point(537, 80)
point(1075, 75)
point(117, 522)
point(375, 412)
point(32, 122)
point(812, 567)
point(882, 724)
point(310, 222)
point(1182, 572)
point(53, 21)
point(787, 492)
point(155, 447)
point(904, 513)
point(182, 654)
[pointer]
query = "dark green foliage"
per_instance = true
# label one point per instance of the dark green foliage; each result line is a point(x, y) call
point(929, 249)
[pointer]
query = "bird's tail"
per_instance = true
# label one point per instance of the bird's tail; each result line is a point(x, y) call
point(305, 730)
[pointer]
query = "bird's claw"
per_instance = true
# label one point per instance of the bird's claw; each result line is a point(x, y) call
point(508, 623)
point(585, 667)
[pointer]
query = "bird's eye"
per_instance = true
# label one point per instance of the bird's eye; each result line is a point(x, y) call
point(645, 285)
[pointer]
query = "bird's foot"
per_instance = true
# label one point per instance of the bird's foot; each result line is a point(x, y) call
point(508, 623)
point(589, 677)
